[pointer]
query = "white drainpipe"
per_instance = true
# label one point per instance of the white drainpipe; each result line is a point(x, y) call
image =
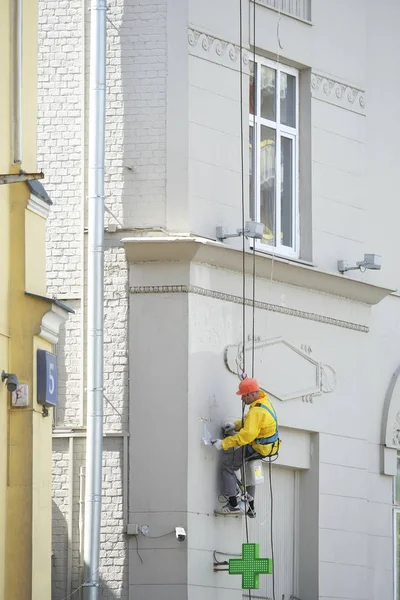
point(95, 321)
point(16, 81)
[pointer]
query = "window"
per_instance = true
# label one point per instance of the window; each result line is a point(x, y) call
point(296, 8)
point(273, 133)
point(396, 503)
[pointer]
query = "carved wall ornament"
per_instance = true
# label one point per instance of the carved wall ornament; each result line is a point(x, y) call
point(221, 51)
point(335, 92)
point(274, 360)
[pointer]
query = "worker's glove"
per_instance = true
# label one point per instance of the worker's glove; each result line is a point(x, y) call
point(228, 427)
point(217, 444)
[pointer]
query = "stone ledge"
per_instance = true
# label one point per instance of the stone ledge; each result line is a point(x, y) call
point(200, 250)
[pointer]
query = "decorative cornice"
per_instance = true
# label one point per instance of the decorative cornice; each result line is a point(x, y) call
point(190, 249)
point(216, 50)
point(38, 206)
point(338, 93)
point(292, 312)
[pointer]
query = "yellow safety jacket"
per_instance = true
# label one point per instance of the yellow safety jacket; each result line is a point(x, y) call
point(260, 429)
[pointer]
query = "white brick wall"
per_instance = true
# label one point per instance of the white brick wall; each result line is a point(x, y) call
point(114, 551)
point(59, 126)
point(135, 193)
point(69, 354)
point(60, 514)
point(115, 351)
point(116, 368)
point(137, 93)
point(135, 167)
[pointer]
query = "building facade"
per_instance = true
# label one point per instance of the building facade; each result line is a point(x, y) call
point(29, 321)
point(217, 113)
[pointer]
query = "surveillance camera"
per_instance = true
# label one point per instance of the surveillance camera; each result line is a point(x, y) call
point(180, 534)
point(12, 381)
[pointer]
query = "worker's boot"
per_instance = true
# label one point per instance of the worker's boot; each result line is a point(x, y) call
point(229, 511)
point(251, 511)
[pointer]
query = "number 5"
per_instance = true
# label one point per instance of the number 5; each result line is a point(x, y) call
point(51, 378)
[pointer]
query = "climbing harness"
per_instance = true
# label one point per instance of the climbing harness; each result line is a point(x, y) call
point(272, 438)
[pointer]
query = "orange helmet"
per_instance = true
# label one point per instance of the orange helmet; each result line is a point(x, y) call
point(247, 386)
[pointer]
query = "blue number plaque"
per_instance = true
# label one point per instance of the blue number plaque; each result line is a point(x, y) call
point(47, 379)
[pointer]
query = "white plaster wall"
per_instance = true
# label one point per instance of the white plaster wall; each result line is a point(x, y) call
point(339, 417)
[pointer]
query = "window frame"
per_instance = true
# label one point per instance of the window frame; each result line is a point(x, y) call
point(281, 131)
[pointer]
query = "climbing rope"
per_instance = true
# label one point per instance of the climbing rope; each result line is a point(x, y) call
point(243, 470)
point(254, 141)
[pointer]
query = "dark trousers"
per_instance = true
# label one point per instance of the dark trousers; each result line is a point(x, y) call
point(232, 461)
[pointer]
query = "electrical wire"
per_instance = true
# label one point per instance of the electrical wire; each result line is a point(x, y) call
point(112, 406)
point(157, 537)
point(280, 47)
point(224, 562)
point(137, 548)
point(255, 182)
point(243, 469)
point(152, 537)
point(254, 172)
point(272, 533)
point(81, 586)
point(242, 186)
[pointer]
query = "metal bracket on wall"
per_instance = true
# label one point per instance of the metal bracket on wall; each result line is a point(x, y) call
point(6, 179)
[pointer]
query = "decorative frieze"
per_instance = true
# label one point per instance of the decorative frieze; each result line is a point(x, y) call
point(216, 50)
point(337, 93)
point(293, 312)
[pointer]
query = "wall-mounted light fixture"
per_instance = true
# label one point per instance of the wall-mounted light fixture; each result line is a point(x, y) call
point(371, 261)
point(252, 229)
point(12, 380)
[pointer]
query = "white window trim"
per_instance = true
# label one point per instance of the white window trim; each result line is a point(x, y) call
point(396, 511)
point(291, 132)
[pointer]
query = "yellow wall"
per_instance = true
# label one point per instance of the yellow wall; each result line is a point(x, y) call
point(3, 464)
point(29, 466)
point(25, 435)
point(41, 493)
point(35, 253)
point(29, 83)
point(4, 270)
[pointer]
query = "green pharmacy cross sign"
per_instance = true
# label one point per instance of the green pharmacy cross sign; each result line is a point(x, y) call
point(250, 566)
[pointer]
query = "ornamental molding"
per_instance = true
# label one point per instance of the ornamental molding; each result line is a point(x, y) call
point(38, 206)
point(217, 50)
point(51, 323)
point(337, 93)
point(293, 312)
point(276, 357)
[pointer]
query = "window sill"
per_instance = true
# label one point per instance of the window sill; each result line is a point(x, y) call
point(201, 250)
point(282, 12)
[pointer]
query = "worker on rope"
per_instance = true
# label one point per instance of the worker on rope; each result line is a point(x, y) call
point(257, 437)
